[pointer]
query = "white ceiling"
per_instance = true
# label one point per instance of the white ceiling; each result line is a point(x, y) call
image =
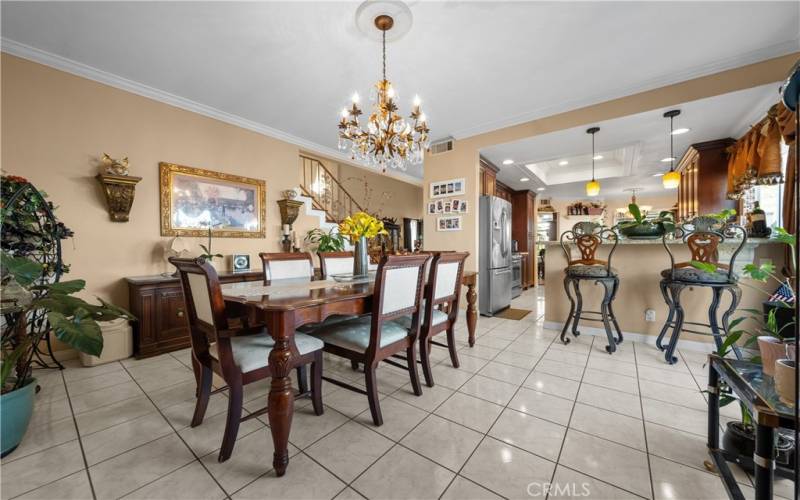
point(632, 146)
point(287, 68)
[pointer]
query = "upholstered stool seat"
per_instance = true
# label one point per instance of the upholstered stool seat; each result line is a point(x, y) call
point(590, 271)
point(694, 275)
point(251, 352)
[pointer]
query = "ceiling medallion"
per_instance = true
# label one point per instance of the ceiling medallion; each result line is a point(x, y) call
point(593, 187)
point(388, 139)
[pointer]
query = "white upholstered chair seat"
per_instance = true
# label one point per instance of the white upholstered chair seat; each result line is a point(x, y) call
point(251, 352)
point(438, 318)
point(354, 334)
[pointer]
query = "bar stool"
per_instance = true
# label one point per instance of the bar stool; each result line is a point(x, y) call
point(702, 235)
point(587, 237)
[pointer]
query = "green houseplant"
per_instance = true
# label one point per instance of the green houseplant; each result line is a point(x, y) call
point(642, 228)
point(72, 320)
point(329, 241)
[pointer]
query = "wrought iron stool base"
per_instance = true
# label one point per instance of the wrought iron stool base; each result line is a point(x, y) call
point(671, 290)
point(606, 312)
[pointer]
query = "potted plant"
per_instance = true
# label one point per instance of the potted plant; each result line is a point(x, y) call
point(72, 320)
point(330, 241)
point(360, 227)
point(642, 228)
point(773, 325)
point(207, 253)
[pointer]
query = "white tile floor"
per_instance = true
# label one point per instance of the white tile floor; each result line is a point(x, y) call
point(522, 412)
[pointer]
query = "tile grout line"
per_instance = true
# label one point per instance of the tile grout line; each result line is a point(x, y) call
point(644, 429)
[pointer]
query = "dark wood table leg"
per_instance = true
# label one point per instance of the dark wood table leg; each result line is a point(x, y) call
point(281, 399)
point(472, 311)
point(764, 461)
point(713, 408)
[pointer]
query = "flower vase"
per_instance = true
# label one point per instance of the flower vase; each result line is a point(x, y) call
point(361, 257)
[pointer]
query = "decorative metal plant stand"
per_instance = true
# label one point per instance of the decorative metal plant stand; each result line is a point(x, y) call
point(702, 235)
point(587, 237)
point(42, 244)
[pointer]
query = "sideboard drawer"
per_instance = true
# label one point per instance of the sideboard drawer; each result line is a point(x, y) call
point(171, 314)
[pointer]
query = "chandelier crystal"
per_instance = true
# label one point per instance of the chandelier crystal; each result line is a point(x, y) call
point(388, 140)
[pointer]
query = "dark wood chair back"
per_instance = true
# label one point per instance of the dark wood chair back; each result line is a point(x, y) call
point(444, 285)
point(335, 263)
point(206, 315)
point(399, 284)
point(281, 265)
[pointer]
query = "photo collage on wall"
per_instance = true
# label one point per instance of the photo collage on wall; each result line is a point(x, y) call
point(453, 190)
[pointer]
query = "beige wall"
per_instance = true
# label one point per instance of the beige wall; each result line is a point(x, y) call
point(462, 161)
point(385, 196)
point(55, 126)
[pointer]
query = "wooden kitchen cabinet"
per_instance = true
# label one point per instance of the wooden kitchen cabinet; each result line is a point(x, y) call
point(488, 178)
point(523, 230)
point(157, 301)
point(704, 179)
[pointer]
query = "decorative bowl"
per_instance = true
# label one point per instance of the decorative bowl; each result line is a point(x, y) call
point(643, 231)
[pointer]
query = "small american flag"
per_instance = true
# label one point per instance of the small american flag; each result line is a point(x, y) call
point(784, 293)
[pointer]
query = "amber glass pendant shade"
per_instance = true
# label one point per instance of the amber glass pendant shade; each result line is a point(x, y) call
point(592, 188)
point(671, 180)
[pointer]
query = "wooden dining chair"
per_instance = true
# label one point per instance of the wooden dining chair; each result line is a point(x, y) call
point(282, 265)
point(331, 263)
point(239, 355)
point(378, 336)
point(440, 313)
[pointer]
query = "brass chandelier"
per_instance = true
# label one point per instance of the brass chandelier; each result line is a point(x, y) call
point(388, 140)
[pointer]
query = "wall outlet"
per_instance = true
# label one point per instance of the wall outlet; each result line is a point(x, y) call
point(650, 315)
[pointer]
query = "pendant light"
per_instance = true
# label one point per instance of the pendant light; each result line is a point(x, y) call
point(672, 179)
point(593, 187)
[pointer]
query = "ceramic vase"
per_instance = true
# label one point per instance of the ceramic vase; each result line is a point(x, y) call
point(784, 381)
point(771, 349)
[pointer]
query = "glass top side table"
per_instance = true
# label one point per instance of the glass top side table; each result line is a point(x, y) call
point(757, 392)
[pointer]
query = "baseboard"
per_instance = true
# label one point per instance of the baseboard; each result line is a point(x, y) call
point(688, 345)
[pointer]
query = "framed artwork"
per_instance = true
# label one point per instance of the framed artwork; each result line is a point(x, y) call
point(194, 199)
point(452, 187)
point(432, 208)
point(462, 207)
point(439, 206)
point(456, 205)
point(448, 207)
point(448, 224)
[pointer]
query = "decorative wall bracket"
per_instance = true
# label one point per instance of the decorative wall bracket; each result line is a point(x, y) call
point(290, 209)
point(119, 191)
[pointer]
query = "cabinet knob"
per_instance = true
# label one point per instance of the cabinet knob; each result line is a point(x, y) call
point(179, 313)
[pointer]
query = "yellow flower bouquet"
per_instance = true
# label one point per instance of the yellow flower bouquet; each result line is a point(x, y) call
point(361, 224)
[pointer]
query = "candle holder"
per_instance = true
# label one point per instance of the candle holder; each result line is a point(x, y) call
point(289, 210)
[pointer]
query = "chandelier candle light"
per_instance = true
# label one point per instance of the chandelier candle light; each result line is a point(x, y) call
point(672, 179)
point(593, 187)
point(388, 140)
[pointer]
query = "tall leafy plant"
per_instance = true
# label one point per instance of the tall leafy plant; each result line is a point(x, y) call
point(329, 241)
point(73, 320)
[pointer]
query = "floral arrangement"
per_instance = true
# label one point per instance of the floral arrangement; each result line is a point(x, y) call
point(361, 224)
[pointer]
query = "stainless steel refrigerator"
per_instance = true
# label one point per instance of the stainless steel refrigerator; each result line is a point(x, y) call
point(494, 261)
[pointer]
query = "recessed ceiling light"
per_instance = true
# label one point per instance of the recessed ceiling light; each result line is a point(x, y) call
point(563, 162)
point(524, 179)
point(508, 162)
point(598, 157)
point(667, 159)
point(657, 175)
point(540, 189)
point(679, 131)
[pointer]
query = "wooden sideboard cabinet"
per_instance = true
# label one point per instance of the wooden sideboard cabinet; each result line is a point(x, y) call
point(704, 179)
point(157, 301)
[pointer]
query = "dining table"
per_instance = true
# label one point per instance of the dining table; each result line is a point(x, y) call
point(283, 306)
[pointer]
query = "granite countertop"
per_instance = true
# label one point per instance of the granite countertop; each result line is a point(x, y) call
point(657, 241)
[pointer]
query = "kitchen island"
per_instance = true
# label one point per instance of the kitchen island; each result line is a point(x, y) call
point(639, 264)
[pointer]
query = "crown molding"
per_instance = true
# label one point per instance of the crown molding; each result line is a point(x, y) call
point(756, 56)
point(67, 65)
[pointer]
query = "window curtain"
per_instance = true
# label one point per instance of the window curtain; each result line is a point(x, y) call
point(786, 124)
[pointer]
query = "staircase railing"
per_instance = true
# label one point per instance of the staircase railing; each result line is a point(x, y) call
point(326, 192)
